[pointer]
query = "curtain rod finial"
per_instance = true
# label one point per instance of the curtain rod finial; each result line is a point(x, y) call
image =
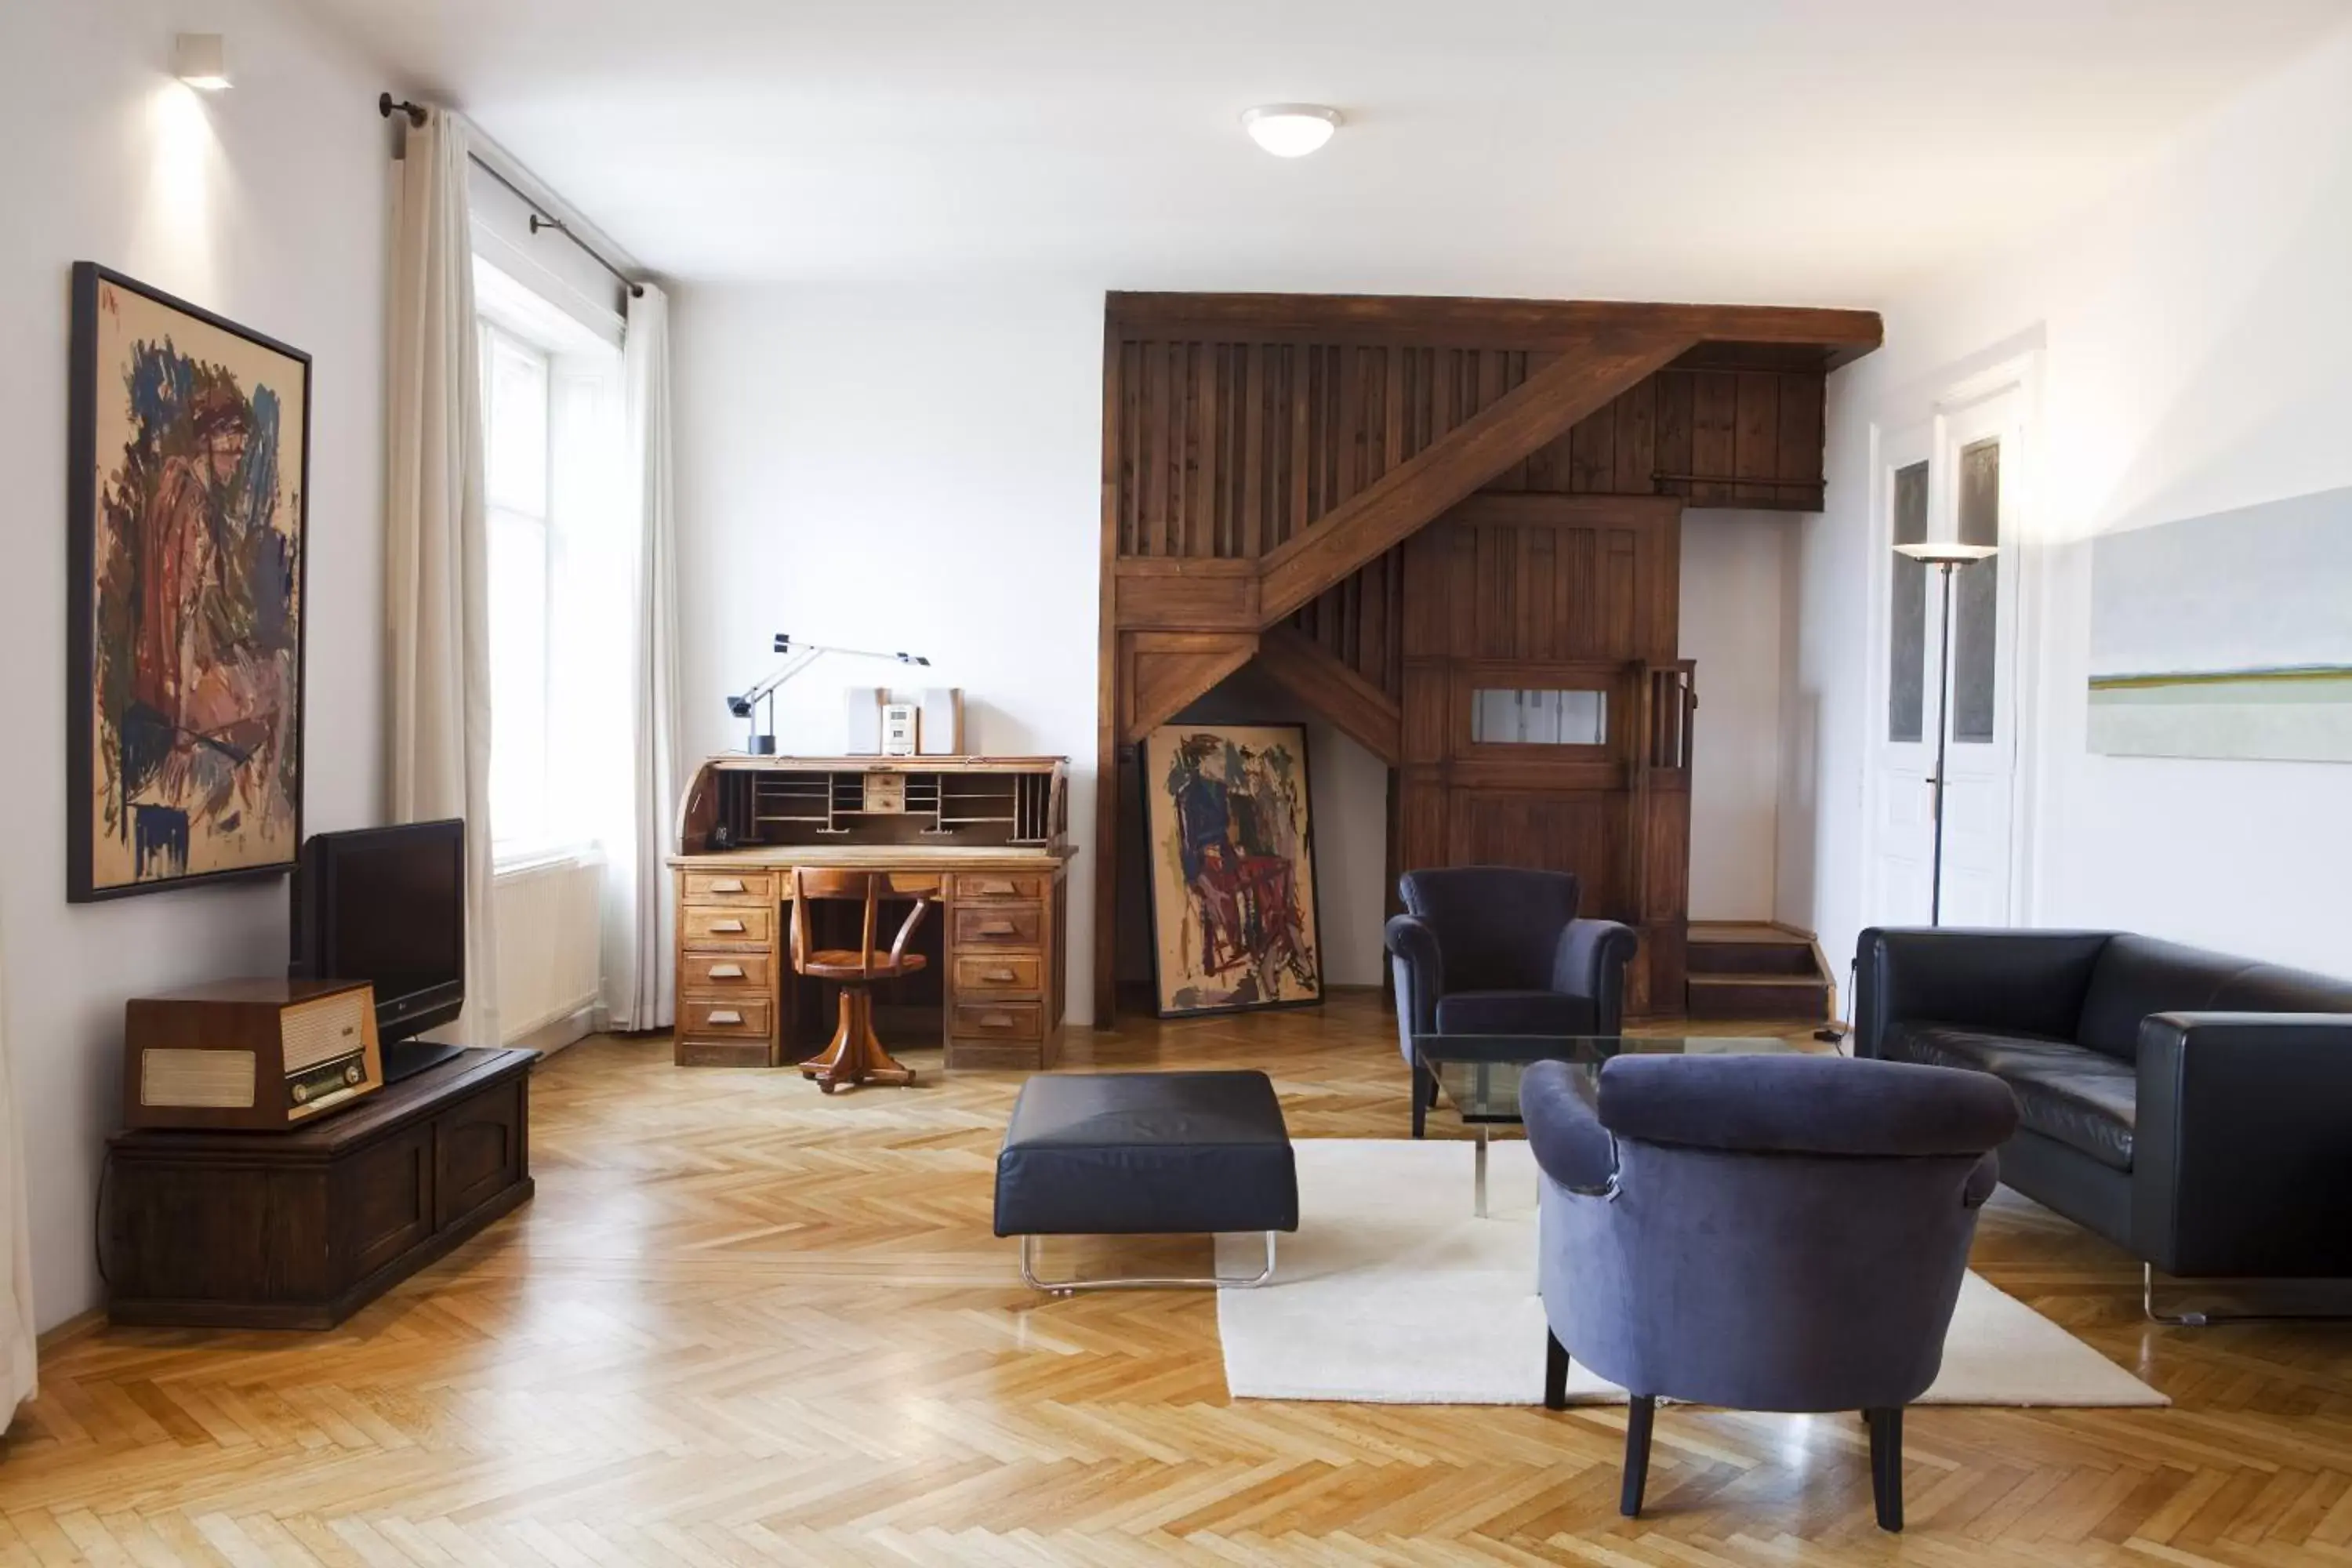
point(385, 103)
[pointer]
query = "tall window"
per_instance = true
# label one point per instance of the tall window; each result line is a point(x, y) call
point(560, 559)
point(515, 377)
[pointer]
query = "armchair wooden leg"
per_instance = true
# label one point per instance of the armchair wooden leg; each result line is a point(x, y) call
point(1886, 1465)
point(1641, 1411)
point(1555, 1373)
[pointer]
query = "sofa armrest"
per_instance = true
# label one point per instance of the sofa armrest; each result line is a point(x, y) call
point(1420, 967)
point(2029, 982)
point(2242, 1157)
point(1564, 1130)
point(1590, 960)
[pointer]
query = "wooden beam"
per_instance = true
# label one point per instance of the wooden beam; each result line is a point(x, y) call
point(1162, 672)
point(1411, 494)
point(1324, 682)
point(1440, 322)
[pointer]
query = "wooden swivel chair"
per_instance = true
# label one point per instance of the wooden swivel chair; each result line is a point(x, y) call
point(855, 1056)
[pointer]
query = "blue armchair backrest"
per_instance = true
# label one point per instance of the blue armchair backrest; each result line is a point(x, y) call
point(1498, 926)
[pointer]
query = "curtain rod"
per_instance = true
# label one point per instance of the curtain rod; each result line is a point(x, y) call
point(386, 106)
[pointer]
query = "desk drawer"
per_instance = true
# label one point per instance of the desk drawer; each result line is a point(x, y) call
point(727, 925)
point(724, 1017)
point(998, 925)
point(730, 886)
point(1007, 972)
point(724, 973)
point(972, 885)
point(999, 1021)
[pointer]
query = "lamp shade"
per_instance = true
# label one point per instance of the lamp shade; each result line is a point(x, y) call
point(201, 59)
point(1290, 130)
point(1945, 552)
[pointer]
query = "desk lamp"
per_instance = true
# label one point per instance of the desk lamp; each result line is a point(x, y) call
point(798, 658)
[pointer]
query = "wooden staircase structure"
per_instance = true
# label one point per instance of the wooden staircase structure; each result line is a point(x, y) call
point(1273, 464)
point(1751, 969)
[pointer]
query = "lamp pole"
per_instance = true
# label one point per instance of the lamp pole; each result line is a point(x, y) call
point(1949, 558)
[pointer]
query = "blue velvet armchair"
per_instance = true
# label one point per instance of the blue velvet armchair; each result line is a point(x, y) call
point(1497, 950)
point(1760, 1232)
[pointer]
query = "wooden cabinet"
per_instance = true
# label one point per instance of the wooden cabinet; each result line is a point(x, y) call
point(299, 1230)
point(986, 839)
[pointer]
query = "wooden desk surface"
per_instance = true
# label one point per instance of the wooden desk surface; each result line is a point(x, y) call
point(883, 857)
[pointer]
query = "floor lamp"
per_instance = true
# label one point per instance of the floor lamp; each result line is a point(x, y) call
point(1950, 558)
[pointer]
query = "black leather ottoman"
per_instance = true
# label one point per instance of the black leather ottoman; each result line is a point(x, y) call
point(1145, 1154)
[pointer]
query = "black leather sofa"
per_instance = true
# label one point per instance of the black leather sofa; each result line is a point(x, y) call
point(2191, 1107)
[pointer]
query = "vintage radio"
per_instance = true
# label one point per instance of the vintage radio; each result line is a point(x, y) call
point(254, 1055)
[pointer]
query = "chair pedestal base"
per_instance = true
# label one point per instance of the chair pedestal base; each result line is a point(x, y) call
point(853, 1055)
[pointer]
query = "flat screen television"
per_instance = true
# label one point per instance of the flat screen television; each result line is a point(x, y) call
point(387, 905)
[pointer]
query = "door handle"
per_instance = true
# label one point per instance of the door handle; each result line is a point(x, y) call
point(727, 925)
point(998, 888)
point(998, 974)
point(727, 885)
point(995, 928)
point(726, 971)
point(996, 1020)
point(725, 1016)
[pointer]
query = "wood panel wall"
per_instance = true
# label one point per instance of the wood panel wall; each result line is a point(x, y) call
point(1234, 425)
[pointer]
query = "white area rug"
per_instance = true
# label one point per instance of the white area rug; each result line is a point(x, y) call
point(1393, 1293)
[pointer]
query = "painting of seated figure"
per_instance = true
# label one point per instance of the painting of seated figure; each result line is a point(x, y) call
point(1233, 869)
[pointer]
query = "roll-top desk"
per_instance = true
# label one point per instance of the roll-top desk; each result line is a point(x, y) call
point(987, 838)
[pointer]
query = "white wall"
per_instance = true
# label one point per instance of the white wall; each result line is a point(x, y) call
point(2196, 328)
point(899, 469)
point(1733, 567)
point(267, 204)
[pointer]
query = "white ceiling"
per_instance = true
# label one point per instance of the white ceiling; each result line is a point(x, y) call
point(1798, 152)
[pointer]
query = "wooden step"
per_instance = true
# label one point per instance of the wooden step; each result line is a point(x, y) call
point(1758, 997)
point(1793, 955)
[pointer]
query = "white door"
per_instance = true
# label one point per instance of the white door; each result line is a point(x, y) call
point(1944, 481)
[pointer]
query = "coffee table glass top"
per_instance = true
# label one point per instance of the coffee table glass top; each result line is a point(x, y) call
point(1480, 1073)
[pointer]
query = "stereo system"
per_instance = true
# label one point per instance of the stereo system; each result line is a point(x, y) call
point(252, 1055)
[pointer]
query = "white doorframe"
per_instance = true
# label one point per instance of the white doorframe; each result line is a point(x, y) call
point(1933, 420)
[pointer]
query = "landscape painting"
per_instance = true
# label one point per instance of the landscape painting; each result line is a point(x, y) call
point(187, 531)
point(2226, 636)
point(1233, 869)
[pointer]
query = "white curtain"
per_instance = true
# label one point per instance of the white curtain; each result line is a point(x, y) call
point(436, 567)
point(17, 1343)
point(637, 913)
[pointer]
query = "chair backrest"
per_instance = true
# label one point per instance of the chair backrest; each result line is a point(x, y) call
point(1498, 926)
point(1786, 1233)
point(812, 883)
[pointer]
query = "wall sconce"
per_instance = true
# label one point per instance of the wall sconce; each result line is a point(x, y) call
point(201, 59)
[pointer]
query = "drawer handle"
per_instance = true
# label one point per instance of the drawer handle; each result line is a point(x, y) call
point(996, 1020)
point(726, 971)
point(726, 925)
point(995, 928)
point(725, 1016)
point(995, 888)
point(1002, 974)
point(727, 885)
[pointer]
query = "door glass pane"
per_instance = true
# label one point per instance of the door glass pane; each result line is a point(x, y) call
point(1907, 628)
point(1976, 597)
point(1540, 718)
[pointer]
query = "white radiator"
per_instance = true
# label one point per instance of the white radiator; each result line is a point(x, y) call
point(550, 947)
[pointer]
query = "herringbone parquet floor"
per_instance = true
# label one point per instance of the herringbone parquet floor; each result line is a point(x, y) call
point(744, 1323)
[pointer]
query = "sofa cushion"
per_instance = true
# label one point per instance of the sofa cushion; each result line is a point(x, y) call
point(1497, 925)
point(1514, 1013)
point(2082, 1099)
point(2137, 975)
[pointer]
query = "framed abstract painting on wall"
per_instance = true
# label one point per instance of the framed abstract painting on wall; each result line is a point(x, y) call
point(187, 520)
point(1232, 867)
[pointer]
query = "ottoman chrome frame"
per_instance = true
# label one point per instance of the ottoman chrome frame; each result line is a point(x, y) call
point(1209, 1282)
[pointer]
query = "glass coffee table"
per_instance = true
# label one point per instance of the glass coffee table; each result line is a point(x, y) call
point(1480, 1073)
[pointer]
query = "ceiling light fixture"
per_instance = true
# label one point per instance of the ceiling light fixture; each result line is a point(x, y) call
point(1290, 130)
point(201, 59)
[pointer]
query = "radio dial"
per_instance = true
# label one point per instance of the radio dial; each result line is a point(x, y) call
point(301, 1093)
point(351, 1074)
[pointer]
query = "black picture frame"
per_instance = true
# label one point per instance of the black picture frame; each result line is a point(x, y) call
point(84, 480)
point(1148, 753)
